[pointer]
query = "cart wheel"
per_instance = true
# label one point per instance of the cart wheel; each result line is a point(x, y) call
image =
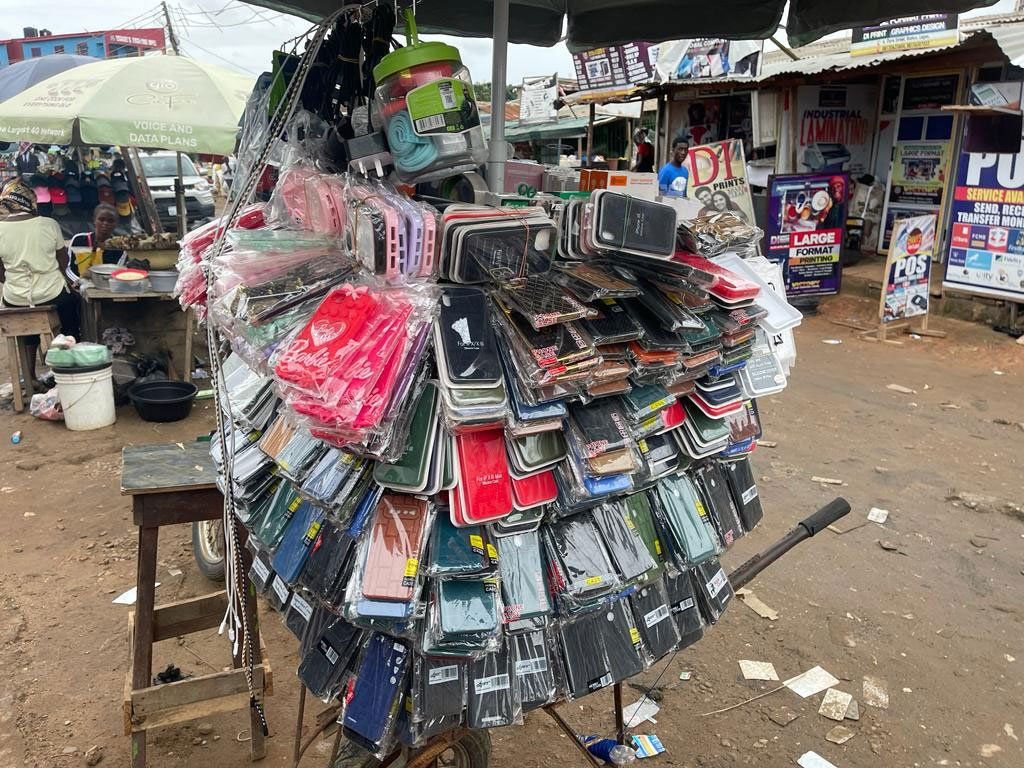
point(208, 548)
point(471, 751)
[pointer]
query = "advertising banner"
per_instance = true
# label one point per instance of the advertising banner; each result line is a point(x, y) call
point(537, 100)
point(908, 269)
point(617, 65)
point(804, 230)
point(709, 57)
point(718, 179)
point(919, 172)
point(908, 33)
point(835, 128)
point(986, 239)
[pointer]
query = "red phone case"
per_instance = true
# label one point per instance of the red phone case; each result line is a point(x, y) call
point(484, 482)
point(532, 491)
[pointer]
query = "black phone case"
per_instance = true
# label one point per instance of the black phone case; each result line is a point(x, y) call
point(324, 664)
point(586, 665)
point(620, 640)
point(628, 551)
point(492, 690)
point(715, 490)
point(532, 666)
point(740, 478)
point(625, 222)
point(685, 610)
point(714, 592)
point(467, 336)
point(653, 615)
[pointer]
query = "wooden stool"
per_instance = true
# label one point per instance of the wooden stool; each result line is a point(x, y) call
point(169, 485)
point(16, 322)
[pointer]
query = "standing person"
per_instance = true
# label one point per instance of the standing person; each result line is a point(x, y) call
point(674, 176)
point(644, 152)
point(33, 265)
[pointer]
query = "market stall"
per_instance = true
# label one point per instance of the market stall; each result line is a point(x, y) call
point(485, 459)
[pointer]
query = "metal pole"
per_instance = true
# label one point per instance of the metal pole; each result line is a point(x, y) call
point(499, 61)
point(620, 725)
point(179, 200)
point(590, 136)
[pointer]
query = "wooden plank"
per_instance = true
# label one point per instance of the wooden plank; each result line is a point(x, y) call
point(166, 467)
point(193, 614)
point(15, 367)
point(127, 700)
point(145, 582)
point(175, 507)
point(192, 699)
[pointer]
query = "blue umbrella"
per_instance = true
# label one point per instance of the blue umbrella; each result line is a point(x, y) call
point(17, 77)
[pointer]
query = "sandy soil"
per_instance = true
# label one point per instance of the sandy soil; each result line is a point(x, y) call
point(939, 619)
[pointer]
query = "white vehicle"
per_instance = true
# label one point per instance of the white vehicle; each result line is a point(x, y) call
point(161, 169)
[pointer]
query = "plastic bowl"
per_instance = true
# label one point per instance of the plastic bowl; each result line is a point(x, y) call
point(163, 401)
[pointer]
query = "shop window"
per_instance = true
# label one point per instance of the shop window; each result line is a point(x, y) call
point(939, 128)
point(36, 52)
point(82, 49)
point(910, 129)
point(992, 74)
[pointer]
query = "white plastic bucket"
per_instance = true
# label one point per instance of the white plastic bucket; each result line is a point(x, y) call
point(87, 399)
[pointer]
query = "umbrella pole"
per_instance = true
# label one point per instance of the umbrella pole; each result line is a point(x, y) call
point(499, 62)
point(179, 201)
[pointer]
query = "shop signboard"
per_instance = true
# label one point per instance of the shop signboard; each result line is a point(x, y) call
point(616, 65)
point(835, 128)
point(537, 100)
point(907, 33)
point(718, 179)
point(908, 269)
point(705, 58)
point(986, 235)
point(805, 227)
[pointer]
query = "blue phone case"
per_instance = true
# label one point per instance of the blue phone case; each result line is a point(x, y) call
point(380, 678)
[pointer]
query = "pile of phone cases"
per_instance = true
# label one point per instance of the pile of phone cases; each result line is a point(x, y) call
point(493, 456)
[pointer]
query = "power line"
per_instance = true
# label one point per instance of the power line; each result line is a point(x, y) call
point(233, 64)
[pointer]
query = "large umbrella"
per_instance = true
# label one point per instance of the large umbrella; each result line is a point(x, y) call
point(17, 77)
point(155, 102)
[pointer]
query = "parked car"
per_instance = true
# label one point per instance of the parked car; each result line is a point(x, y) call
point(161, 169)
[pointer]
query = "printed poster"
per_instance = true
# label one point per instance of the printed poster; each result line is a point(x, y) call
point(617, 65)
point(718, 179)
point(986, 227)
point(709, 57)
point(835, 128)
point(919, 172)
point(908, 269)
point(805, 227)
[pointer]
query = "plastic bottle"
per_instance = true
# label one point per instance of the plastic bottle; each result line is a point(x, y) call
point(608, 750)
point(16, 437)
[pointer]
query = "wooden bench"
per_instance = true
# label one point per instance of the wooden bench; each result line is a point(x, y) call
point(16, 323)
point(171, 484)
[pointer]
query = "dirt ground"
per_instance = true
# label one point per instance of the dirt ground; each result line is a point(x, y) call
point(936, 613)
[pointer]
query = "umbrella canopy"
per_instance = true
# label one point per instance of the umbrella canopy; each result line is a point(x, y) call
point(17, 77)
point(156, 102)
point(596, 23)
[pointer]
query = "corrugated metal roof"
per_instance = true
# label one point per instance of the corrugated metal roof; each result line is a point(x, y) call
point(1010, 39)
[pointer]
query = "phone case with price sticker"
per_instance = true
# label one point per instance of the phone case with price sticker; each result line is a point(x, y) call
point(396, 544)
point(650, 606)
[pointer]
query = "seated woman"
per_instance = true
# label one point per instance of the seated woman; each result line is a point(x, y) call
point(33, 265)
point(89, 248)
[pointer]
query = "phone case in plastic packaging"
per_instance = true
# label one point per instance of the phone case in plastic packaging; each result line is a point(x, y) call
point(585, 662)
point(629, 554)
point(438, 690)
point(468, 607)
point(300, 611)
point(580, 567)
point(371, 713)
point(328, 560)
point(455, 551)
point(622, 640)
point(262, 571)
point(714, 592)
point(650, 607)
point(740, 478)
point(298, 538)
point(715, 489)
point(533, 667)
point(326, 478)
point(328, 657)
point(684, 520)
point(679, 587)
point(493, 691)
point(522, 577)
point(286, 501)
point(637, 507)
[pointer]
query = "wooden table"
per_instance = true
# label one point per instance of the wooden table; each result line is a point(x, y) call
point(94, 298)
point(171, 484)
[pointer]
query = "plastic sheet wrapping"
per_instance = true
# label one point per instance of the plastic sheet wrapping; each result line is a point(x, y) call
point(719, 503)
point(296, 541)
point(299, 613)
point(622, 640)
point(533, 665)
point(493, 691)
point(328, 561)
point(523, 587)
point(585, 661)
point(437, 695)
point(371, 711)
point(325, 662)
point(456, 551)
point(740, 478)
point(463, 617)
point(686, 614)
point(683, 519)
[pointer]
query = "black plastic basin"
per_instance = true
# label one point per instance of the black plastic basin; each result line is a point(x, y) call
point(163, 400)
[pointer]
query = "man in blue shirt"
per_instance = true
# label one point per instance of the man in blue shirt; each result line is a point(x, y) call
point(673, 177)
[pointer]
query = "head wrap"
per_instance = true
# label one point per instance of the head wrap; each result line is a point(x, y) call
point(17, 197)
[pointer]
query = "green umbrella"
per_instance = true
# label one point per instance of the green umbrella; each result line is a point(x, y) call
point(155, 102)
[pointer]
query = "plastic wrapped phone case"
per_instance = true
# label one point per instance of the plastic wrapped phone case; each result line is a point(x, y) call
point(534, 669)
point(493, 691)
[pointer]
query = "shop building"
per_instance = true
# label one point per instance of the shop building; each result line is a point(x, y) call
point(108, 44)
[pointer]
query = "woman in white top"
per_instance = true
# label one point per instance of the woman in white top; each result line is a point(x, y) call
point(33, 264)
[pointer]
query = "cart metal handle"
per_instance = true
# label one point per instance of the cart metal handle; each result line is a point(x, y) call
point(805, 529)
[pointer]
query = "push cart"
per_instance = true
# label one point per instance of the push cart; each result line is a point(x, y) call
point(464, 748)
